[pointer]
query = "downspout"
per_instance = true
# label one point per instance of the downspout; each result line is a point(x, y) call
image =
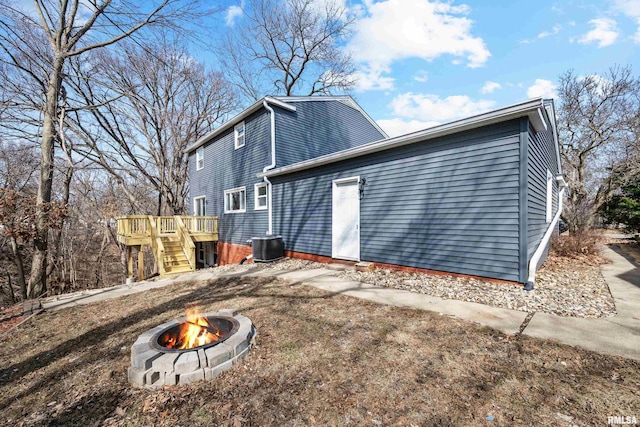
point(270, 166)
point(533, 263)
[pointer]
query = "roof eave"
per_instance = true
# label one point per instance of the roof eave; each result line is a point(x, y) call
point(237, 119)
point(528, 108)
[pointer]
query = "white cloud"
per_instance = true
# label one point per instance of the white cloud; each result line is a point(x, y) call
point(630, 8)
point(232, 13)
point(604, 32)
point(372, 79)
point(432, 108)
point(395, 127)
point(555, 30)
point(421, 76)
point(543, 88)
point(392, 30)
point(490, 87)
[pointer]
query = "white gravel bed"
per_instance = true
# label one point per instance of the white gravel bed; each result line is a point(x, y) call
point(564, 287)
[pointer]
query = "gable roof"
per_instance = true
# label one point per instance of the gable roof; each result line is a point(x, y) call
point(238, 118)
point(533, 109)
point(344, 99)
point(284, 102)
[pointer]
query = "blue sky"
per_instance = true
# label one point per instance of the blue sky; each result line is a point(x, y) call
point(426, 62)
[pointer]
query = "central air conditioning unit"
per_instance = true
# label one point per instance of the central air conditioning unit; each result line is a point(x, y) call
point(267, 249)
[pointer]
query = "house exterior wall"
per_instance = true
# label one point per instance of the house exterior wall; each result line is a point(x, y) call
point(317, 128)
point(449, 204)
point(225, 168)
point(541, 157)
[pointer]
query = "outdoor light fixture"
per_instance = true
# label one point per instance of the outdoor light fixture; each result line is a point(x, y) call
point(361, 185)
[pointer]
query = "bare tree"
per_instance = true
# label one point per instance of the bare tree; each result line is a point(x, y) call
point(17, 194)
point(599, 117)
point(164, 101)
point(290, 47)
point(71, 29)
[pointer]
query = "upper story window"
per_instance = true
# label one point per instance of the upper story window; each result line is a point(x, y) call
point(200, 158)
point(238, 132)
point(260, 200)
point(235, 200)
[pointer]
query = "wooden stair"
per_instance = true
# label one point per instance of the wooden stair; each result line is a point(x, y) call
point(175, 259)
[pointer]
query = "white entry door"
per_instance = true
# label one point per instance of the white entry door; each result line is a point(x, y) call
point(345, 218)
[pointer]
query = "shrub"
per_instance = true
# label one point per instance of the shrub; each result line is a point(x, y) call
point(575, 245)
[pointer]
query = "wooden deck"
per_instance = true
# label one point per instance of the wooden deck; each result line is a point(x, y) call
point(172, 240)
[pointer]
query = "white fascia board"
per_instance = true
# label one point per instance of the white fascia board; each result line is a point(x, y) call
point(496, 116)
point(238, 118)
point(551, 113)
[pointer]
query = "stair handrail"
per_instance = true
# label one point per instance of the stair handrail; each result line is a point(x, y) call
point(156, 245)
point(186, 242)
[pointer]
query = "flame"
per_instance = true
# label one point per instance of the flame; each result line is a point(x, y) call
point(194, 332)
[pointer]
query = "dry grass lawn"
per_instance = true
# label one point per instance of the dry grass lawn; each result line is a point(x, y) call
point(320, 359)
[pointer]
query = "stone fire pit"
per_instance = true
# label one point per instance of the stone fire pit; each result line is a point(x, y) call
point(153, 365)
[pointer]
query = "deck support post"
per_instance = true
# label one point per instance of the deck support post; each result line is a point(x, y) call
point(140, 263)
point(129, 262)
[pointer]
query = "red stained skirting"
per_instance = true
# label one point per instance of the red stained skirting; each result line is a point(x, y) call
point(230, 253)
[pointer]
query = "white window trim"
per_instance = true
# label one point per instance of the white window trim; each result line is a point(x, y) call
point(256, 206)
point(235, 135)
point(549, 199)
point(200, 158)
point(233, 190)
point(195, 203)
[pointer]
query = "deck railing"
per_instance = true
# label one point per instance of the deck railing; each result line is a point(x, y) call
point(139, 226)
point(201, 224)
point(165, 224)
point(133, 225)
point(186, 242)
point(156, 245)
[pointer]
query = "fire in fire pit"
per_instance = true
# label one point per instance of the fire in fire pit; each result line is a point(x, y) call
point(193, 348)
point(195, 331)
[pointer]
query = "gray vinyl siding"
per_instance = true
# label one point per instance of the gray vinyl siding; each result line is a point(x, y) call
point(449, 204)
point(226, 168)
point(541, 156)
point(317, 128)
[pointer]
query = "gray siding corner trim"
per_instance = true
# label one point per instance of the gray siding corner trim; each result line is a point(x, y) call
point(523, 201)
point(237, 119)
point(528, 108)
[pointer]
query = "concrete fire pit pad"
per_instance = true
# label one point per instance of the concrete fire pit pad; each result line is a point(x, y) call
point(152, 368)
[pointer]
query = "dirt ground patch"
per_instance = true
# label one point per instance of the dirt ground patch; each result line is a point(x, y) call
point(320, 359)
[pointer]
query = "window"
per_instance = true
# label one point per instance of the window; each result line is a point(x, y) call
point(549, 195)
point(199, 206)
point(238, 132)
point(235, 200)
point(199, 158)
point(260, 200)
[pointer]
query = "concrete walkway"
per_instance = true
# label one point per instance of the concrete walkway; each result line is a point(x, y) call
point(618, 335)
